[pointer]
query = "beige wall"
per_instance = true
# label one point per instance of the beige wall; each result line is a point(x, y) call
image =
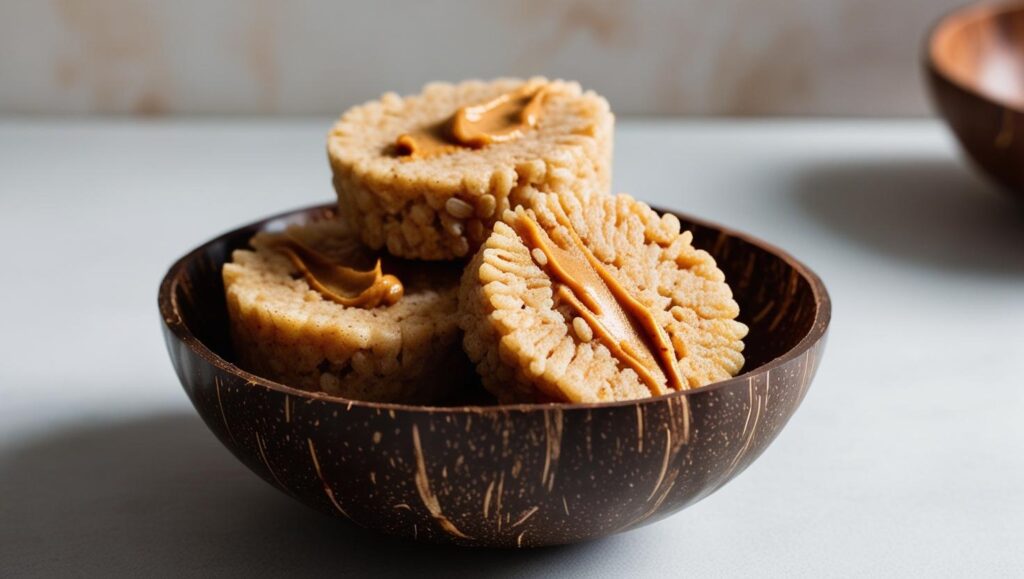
point(697, 57)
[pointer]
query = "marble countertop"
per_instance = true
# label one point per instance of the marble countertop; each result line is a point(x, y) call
point(907, 457)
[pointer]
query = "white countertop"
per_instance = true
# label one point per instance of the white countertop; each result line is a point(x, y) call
point(907, 457)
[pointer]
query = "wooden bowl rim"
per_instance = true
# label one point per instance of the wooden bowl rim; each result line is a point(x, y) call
point(172, 318)
point(968, 13)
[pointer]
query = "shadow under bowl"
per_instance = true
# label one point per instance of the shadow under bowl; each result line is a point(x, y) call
point(504, 476)
point(974, 58)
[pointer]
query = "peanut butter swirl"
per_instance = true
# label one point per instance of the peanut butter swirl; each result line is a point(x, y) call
point(502, 119)
point(343, 285)
point(624, 325)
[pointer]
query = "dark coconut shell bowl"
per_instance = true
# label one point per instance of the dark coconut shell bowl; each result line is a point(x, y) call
point(504, 476)
point(974, 59)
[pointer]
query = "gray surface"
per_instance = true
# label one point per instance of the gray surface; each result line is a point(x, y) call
point(906, 457)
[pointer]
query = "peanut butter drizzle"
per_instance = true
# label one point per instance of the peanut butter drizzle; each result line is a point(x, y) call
point(499, 120)
point(623, 324)
point(344, 285)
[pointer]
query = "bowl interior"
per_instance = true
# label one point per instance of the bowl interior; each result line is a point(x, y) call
point(982, 49)
point(774, 291)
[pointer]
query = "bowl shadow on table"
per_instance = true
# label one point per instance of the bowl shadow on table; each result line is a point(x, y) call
point(161, 494)
point(927, 212)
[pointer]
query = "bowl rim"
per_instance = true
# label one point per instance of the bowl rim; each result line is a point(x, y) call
point(173, 321)
point(967, 12)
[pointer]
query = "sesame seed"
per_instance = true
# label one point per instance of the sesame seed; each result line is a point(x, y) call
point(485, 206)
point(539, 256)
point(458, 208)
point(582, 329)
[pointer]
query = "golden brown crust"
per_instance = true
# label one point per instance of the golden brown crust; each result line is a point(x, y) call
point(284, 330)
point(444, 207)
point(525, 344)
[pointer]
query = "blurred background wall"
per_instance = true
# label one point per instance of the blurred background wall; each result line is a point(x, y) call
point(693, 57)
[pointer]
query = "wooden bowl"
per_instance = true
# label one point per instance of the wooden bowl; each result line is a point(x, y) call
point(504, 476)
point(975, 67)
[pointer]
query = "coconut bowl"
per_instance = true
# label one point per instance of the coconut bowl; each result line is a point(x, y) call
point(504, 476)
point(974, 61)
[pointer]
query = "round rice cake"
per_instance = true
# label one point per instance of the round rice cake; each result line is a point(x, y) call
point(285, 330)
point(532, 336)
point(442, 206)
